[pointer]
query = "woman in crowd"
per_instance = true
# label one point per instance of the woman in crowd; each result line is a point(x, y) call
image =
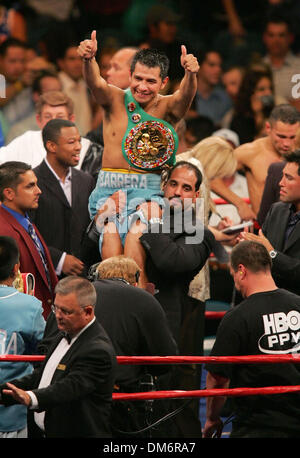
point(254, 102)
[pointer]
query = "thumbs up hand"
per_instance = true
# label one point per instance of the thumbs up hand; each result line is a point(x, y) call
point(188, 61)
point(88, 48)
point(94, 42)
point(183, 51)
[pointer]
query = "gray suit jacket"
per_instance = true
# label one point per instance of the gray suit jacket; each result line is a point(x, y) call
point(286, 265)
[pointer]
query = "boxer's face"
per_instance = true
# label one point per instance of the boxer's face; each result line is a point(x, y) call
point(282, 136)
point(146, 83)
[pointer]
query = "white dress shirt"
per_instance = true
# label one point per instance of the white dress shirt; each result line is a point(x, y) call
point(78, 92)
point(29, 148)
point(282, 77)
point(67, 189)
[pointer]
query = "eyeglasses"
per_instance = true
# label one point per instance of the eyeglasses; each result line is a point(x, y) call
point(63, 311)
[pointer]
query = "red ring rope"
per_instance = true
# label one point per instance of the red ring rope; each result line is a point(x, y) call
point(152, 395)
point(220, 201)
point(214, 315)
point(177, 359)
point(208, 359)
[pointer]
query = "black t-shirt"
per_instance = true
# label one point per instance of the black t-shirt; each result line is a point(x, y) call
point(265, 323)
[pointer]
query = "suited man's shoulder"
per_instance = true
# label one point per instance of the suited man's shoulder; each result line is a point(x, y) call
point(42, 170)
point(276, 167)
point(279, 206)
point(277, 212)
point(8, 222)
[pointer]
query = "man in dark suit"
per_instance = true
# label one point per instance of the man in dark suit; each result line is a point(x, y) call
point(71, 391)
point(62, 215)
point(128, 314)
point(20, 193)
point(176, 248)
point(280, 233)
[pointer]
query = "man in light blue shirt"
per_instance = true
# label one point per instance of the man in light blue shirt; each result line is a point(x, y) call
point(211, 99)
point(21, 328)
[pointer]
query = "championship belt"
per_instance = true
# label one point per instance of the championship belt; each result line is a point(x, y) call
point(149, 143)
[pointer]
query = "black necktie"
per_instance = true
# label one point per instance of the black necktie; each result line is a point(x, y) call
point(35, 239)
point(293, 220)
point(67, 337)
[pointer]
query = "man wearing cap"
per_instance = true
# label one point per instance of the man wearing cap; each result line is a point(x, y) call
point(229, 135)
point(139, 131)
point(162, 24)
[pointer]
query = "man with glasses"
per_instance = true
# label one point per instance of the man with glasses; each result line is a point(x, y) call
point(70, 394)
point(128, 314)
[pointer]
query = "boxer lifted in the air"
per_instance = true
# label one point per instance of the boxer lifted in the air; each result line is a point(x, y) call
point(139, 132)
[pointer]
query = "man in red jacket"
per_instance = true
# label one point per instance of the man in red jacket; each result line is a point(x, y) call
point(20, 193)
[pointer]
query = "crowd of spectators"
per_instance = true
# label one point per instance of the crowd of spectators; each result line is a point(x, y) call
point(243, 120)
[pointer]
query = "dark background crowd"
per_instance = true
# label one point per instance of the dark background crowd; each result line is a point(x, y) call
point(249, 56)
point(228, 36)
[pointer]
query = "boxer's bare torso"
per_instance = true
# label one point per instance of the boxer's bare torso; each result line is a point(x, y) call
point(146, 83)
point(115, 125)
point(255, 158)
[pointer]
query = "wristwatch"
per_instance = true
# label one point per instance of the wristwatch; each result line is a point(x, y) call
point(155, 221)
point(273, 254)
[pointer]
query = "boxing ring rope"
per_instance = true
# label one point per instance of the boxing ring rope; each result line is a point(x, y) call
point(220, 201)
point(140, 360)
point(179, 394)
point(229, 392)
point(214, 315)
